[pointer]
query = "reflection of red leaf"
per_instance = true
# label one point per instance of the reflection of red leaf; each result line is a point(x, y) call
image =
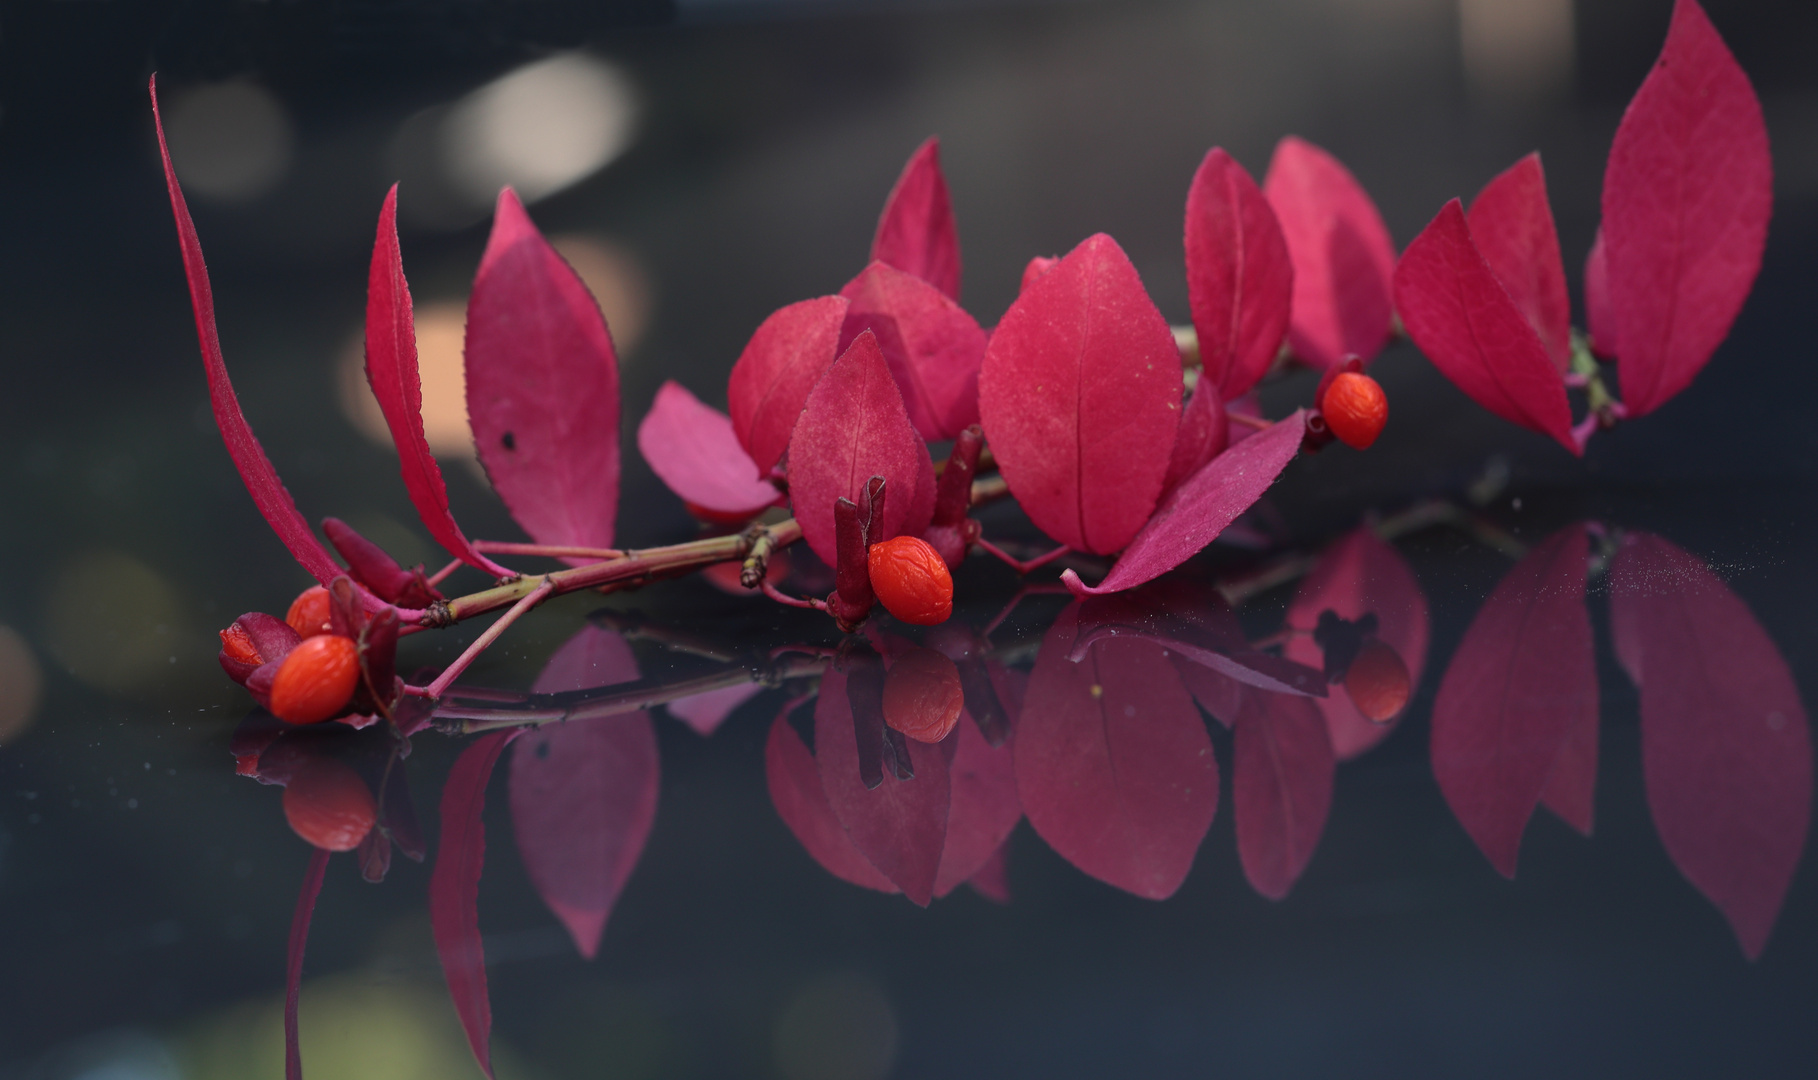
point(1342, 254)
point(854, 428)
point(1686, 199)
point(1522, 679)
point(293, 964)
point(1513, 228)
point(1113, 763)
point(1572, 786)
point(900, 825)
point(932, 346)
point(1201, 508)
point(1080, 395)
point(1462, 317)
point(1281, 788)
point(707, 711)
point(1359, 575)
point(1239, 277)
point(992, 881)
point(795, 791)
point(984, 807)
point(773, 377)
point(1725, 743)
point(542, 387)
point(691, 448)
point(916, 233)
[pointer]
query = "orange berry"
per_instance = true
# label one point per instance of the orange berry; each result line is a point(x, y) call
point(238, 645)
point(1355, 409)
point(316, 680)
point(923, 695)
point(910, 580)
point(308, 614)
point(1377, 681)
point(328, 805)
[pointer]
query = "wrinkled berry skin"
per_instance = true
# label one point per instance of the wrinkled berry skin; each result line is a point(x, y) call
point(309, 612)
point(923, 695)
point(328, 805)
point(1355, 409)
point(911, 580)
point(316, 681)
point(1377, 681)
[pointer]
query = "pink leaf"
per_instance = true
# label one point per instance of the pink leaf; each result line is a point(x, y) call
point(992, 881)
point(932, 346)
point(1281, 788)
point(795, 791)
point(1201, 508)
point(1113, 764)
point(916, 233)
point(1686, 200)
point(771, 382)
point(691, 447)
point(1599, 315)
point(1240, 280)
point(454, 889)
point(542, 387)
point(293, 964)
point(1725, 743)
point(1512, 225)
point(1357, 576)
point(1205, 431)
point(391, 371)
point(249, 458)
point(1343, 257)
point(706, 712)
point(854, 428)
point(1080, 395)
point(984, 806)
point(1463, 319)
point(1523, 677)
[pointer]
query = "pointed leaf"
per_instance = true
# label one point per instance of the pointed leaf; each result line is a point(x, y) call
point(1202, 507)
point(1080, 396)
point(542, 387)
point(1240, 280)
point(992, 881)
point(368, 564)
point(916, 233)
point(691, 447)
point(1571, 789)
point(262, 483)
point(1512, 225)
point(1725, 743)
point(1599, 315)
point(706, 712)
point(1463, 319)
point(932, 346)
point(779, 368)
point(1686, 200)
point(984, 808)
point(1343, 257)
point(795, 790)
point(293, 964)
point(1281, 788)
point(1522, 679)
point(1205, 431)
point(852, 429)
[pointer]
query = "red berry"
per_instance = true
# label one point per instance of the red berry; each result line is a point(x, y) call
point(316, 680)
point(1377, 681)
point(910, 580)
point(308, 614)
point(328, 805)
point(238, 645)
point(1355, 409)
point(923, 696)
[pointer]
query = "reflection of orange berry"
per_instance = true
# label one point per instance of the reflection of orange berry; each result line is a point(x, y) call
point(328, 805)
point(1355, 409)
point(1377, 681)
point(308, 614)
point(911, 581)
point(238, 645)
point(922, 695)
point(316, 680)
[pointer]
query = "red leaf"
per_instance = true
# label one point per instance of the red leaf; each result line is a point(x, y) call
point(293, 964)
point(1080, 395)
point(932, 346)
point(1205, 431)
point(1113, 764)
point(542, 387)
point(854, 428)
point(1522, 679)
point(916, 233)
point(1357, 576)
point(1686, 200)
point(249, 458)
point(1463, 319)
point(1598, 312)
point(900, 825)
point(1201, 508)
point(1725, 743)
point(391, 371)
point(984, 806)
point(1281, 788)
point(1343, 257)
point(795, 791)
point(369, 564)
point(454, 889)
point(691, 447)
point(1240, 280)
point(771, 382)
point(705, 712)
point(1512, 225)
